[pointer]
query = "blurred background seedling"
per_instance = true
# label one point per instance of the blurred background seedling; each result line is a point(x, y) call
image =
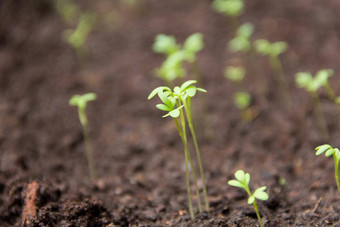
point(242, 181)
point(243, 100)
point(273, 51)
point(330, 151)
point(77, 37)
point(312, 85)
point(81, 102)
point(173, 66)
point(68, 10)
point(230, 8)
point(177, 104)
point(241, 41)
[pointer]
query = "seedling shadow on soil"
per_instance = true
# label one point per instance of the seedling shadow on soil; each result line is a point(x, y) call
point(139, 156)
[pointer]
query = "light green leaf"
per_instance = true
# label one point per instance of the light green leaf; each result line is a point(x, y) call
point(251, 199)
point(235, 183)
point(329, 152)
point(165, 44)
point(191, 91)
point(174, 113)
point(194, 43)
point(240, 175)
point(165, 99)
point(201, 90)
point(247, 178)
point(187, 84)
point(154, 92)
point(261, 195)
point(322, 148)
point(163, 107)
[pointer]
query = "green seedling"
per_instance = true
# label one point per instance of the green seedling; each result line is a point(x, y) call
point(77, 37)
point(235, 74)
point(273, 51)
point(242, 181)
point(177, 104)
point(172, 68)
point(81, 101)
point(336, 155)
point(230, 8)
point(241, 42)
point(243, 100)
point(312, 85)
point(68, 10)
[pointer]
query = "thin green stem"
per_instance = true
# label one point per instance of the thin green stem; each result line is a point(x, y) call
point(191, 210)
point(187, 107)
point(88, 145)
point(320, 116)
point(196, 71)
point(336, 166)
point(255, 206)
point(281, 79)
point(190, 159)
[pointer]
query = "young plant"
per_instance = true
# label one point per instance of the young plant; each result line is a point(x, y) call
point(81, 102)
point(68, 10)
point(77, 37)
point(230, 8)
point(177, 104)
point(312, 85)
point(242, 181)
point(236, 75)
point(336, 155)
point(172, 68)
point(243, 100)
point(273, 51)
point(241, 42)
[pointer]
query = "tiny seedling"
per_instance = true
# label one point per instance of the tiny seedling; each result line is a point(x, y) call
point(77, 37)
point(241, 42)
point(235, 74)
point(230, 8)
point(312, 85)
point(242, 181)
point(172, 68)
point(81, 102)
point(243, 100)
point(273, 51)
point(336, 155)
point(177, 104)
point(68, 10)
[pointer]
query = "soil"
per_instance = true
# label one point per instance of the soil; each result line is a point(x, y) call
point(44, 179)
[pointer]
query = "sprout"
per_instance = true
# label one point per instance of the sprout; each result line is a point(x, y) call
point(235, 74)
point(241, 42)
point(273, 51)
point(172, 68)
point(312, 85)
point(231, 8)
point(242, 181)
point(81, 102)
point(177, 104)
point(242, 100)
point(68, 10)
point(77, 37)
point(336, 155)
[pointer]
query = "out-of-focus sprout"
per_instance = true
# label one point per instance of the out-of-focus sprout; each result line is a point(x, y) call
point(241, 42)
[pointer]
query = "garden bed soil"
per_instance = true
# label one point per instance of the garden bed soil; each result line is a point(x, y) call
point(139, 156)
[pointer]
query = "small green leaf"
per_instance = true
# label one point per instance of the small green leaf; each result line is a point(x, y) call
point(191, 91)
point(165, 99)
point(154, 92)
point(194, 43)
point(322, 148)
point(187, 84)
point(235, 183)
point(163, 107)
point(240, 175)
point(251, 199)
point(261, 195)
point(247, 178)
point(329, 152)
point(174, 113)
point(201, 90)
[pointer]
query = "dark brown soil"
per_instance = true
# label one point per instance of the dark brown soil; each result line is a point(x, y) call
point(139, 155)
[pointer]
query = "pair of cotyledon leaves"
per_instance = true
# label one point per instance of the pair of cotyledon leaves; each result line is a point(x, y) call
point(241, 42)
point(169, 98)
point(231, 8)
point(274, 49)
point(242, 181)
point(172, 67)
point(329, 151)
point(310, 83)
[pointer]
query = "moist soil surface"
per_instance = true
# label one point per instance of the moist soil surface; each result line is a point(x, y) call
point(44, 180)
